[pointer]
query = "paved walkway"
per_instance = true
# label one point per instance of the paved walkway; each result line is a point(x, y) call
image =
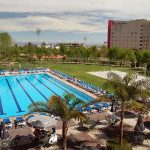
point(103, 74)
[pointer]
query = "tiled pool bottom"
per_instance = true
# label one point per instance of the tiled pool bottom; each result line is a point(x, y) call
point(18, 92)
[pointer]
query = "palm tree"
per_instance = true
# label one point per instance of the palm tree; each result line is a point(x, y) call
point(38, 32)
point(64, 107)
point(125, 91)
point(141, 106)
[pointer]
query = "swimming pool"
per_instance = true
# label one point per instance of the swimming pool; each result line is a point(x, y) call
point(18, 92)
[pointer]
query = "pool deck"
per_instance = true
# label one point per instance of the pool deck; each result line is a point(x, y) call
point(74, 86)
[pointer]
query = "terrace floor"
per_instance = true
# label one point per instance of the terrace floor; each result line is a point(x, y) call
point(78, 138)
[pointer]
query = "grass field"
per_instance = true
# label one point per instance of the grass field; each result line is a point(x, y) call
point(80, 71)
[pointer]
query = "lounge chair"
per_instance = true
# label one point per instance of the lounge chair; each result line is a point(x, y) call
point(79, 108)
point(105, 105)
point(44, 114)
point(30, 116)
point(98, 107)
point(2, 72)
point(88, 109)
point(20, 121)
point(55, 117)
point(94, 110)
point(7, 123)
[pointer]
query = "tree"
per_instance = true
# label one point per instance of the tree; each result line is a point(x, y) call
point(40, 52)
point(94, 51)
point(113, 53)
point(146, 57)
point(125, 91)
point(128, 56)
point(64, 107)
point(38, 32)
point(142, 57)
point(5, 44)
point(30, 51)
point(124, 56)
point(63, 49)
point(43, 45)
point(139, 57)
point(13, 53)
point(104, 51)
point(141, 105)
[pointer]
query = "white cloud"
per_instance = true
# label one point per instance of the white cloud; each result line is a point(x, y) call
point(62, 24)
point(135, 7)
point(118, 9)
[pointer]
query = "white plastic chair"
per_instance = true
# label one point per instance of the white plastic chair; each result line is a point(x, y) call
point(52, 139)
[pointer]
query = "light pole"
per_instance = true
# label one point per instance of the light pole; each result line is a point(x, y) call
point(145, 69)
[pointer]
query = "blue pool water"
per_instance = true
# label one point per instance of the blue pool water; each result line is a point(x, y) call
point(18, 92)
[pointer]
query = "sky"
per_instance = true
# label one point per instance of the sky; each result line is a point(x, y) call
point(66, 20)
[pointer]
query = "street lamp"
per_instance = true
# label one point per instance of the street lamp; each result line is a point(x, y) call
point(145, 69)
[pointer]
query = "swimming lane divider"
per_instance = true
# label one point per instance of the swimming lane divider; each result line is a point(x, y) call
point(15, 99)
point(1, 108)
point(47, 86)
point(55, 84)
point(37, 89)
point(26, 92)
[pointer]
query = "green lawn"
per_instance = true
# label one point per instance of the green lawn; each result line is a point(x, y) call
point(80, 71)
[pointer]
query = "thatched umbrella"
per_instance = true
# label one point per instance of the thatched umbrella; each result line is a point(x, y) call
point(46, 121)
point(127, 114)
point(37, 124)
point(147, 124)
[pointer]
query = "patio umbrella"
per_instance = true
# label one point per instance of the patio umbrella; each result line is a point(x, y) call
point(37, 124)
point(127, 114)
point(47, 121)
